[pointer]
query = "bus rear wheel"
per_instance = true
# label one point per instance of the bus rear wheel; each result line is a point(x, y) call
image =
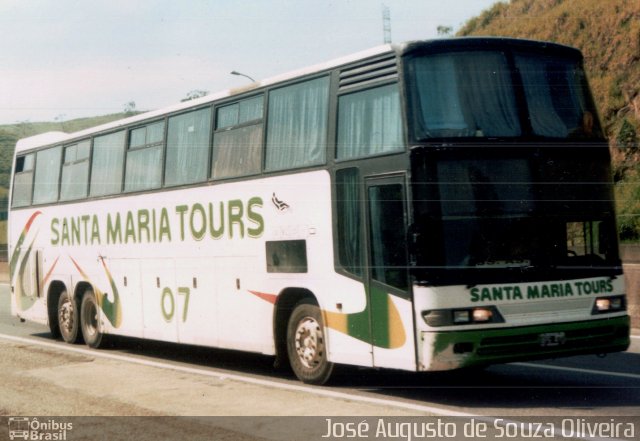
point(306, 345)
point(68, 318)
point(90, 320)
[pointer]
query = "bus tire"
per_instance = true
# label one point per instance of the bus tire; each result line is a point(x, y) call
point(90, 320)
point(54, 326)
point(68, 318)
point(306, 345)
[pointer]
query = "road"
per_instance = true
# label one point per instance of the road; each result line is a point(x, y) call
point(134, 377)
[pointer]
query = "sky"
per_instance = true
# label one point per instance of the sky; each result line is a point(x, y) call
point(64, 59)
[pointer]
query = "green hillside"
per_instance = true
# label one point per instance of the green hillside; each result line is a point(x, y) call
point(608, 34)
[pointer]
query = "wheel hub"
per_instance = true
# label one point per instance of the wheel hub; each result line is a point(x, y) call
point(66, 316)
point(309, 342)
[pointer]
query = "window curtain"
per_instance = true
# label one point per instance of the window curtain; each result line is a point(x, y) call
point(45, 187)
point(487, 91)
point(188, 148)
point(370, 123)
point(107, 164)
point(144, 169)
point(467, 94)
point(75, 178)
point(296, 135)
point(22, 188)
point(554, 106)
point(237, 152)
point(439, 96)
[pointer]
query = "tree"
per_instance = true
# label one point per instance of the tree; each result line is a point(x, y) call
point(7, 144)
point(130, 108)
point(196, 93)
point(60, 119)
point(444, 31)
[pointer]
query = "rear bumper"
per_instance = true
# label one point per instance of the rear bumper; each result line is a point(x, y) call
point(458, 349)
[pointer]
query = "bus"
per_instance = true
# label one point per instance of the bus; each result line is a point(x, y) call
point(423, 206)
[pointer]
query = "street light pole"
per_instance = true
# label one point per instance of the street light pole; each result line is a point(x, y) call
point(242, 75)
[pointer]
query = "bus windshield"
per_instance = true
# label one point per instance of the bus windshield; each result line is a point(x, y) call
point(498, 94)
point(498, 212)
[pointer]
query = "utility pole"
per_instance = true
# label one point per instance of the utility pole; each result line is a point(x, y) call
point(386, 24)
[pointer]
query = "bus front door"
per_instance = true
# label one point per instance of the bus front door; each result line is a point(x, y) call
point(390, 302)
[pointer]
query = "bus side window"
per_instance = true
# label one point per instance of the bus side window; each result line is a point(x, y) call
point(237, 142)
point(143, 170)
point(46, 182)
point(369, 123)
point(297, 125)
point(75, 171)
point(107, 164)
point(23, 180)
point(188, 147)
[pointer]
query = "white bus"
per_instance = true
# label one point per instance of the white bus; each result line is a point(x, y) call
point(425, 206)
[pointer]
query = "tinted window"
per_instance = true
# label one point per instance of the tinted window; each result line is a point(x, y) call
point(464, 94)
point(557, 96)
point(388, 238)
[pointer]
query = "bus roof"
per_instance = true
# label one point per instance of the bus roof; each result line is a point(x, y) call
point(49, 138)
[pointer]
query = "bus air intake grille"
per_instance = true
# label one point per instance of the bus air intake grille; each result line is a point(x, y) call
point(373, 71)
point(530, 343)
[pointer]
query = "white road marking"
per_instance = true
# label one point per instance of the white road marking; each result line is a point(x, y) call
point(580, 370)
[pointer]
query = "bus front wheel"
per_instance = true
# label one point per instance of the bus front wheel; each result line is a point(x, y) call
point(90, 320)
point(306, 345)
point(68, 318)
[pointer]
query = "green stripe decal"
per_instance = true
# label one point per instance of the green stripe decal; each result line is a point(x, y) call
point(388, 329)
point(112, 310)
